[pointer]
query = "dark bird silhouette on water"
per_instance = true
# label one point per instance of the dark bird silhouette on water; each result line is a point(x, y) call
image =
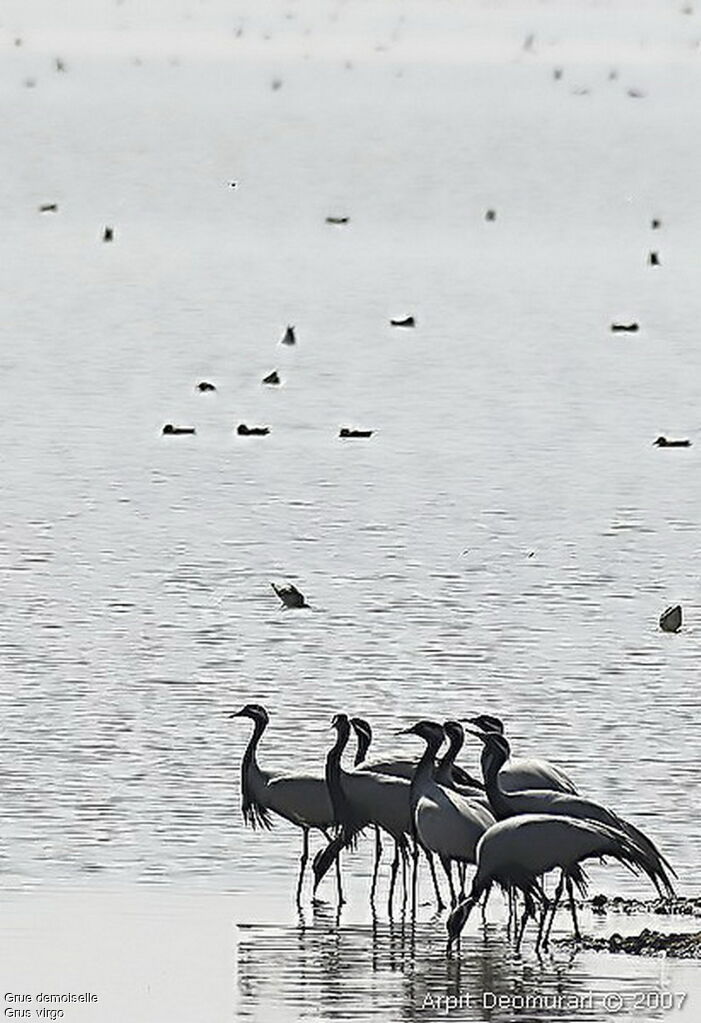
point(108, 234)
point(290, 595)
point(252, 431)
point(671, 619)
point(337, 220)
point(288, 338)
point(176, 431)
point(205, 386)
point(407, 321)
point(272, 378)
point(662, 442)
point(490, 215)
point(624, 328)
point(655, 223)
point(48, 207)
point(653, 259)
point(345, 432)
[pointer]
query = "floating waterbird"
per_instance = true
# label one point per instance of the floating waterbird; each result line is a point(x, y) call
point(630, 328)
point(490, 215)
point(407, 321)
point(289, 338)
point(272, 378)
point(205, 386)
point(252, 431)
point(671, 619)
point(345, 432)
point(108, 234)
point(653, 259)
point(290, 595)
point(662, 442)
point(48, 207)
point(173, 431)
point(337, 220)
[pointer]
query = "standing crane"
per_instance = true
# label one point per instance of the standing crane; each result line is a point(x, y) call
point(302, 799)
point(519, 774)
point(446, 823)
point(519, 851)
point(361, 798)
point(496, 753)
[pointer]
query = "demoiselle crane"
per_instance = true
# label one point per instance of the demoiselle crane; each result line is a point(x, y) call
point(302, 799)
point(521, 773)
point(519, 851)
point(496, 752)
point(446, 823)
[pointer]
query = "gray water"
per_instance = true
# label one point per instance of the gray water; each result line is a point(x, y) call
point(507, 538)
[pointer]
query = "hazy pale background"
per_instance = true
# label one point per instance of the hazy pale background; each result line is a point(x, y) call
point(135, 569)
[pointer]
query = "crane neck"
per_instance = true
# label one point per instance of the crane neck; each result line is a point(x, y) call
point(500, 801)
point(425, 770)
point(341, 808)
point(362, 750)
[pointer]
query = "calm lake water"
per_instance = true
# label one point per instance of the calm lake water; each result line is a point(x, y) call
point(505, 541)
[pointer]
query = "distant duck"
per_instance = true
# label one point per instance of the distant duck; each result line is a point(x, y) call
point(204, 386)
point(557, 73)
point(108, 234)
point(59, 64)
point(252, 431)
point(653, 259)
point(288, 338)
point(624, 328)
point(636, 94)
point(671, 619)
point(407, 321)
point(662, 442)
point(48, 207)
point(490, 215)
point(345, 432)
point(655, 223)
point(276, 84)
point(290, 595)
point(176, 431)
point(272, 378)
point(233, 184)
point(337, 220)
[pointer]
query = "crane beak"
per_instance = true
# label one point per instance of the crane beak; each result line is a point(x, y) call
point(405, 731)
point(236, 714)
point(480, 735)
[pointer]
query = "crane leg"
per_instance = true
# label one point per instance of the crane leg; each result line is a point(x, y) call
point(376, 868)
point(527, 912)
point(573, 909)
point(405, 883)
point(544, 907)
point(302, 864)
point(414, 878)
point(462, 874)
point(440, 905)
point(556, 900)
point(447, 865)
point(393, 879)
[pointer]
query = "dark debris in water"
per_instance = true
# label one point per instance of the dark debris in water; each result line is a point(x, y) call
point(647, 943)
point(660, 907)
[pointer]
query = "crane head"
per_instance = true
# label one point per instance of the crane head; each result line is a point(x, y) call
point(254, 711)
point(458, 919)
point(361, 727)
point(455, 734)
point(496, 747)
point(429, 731)
point(487, 723)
